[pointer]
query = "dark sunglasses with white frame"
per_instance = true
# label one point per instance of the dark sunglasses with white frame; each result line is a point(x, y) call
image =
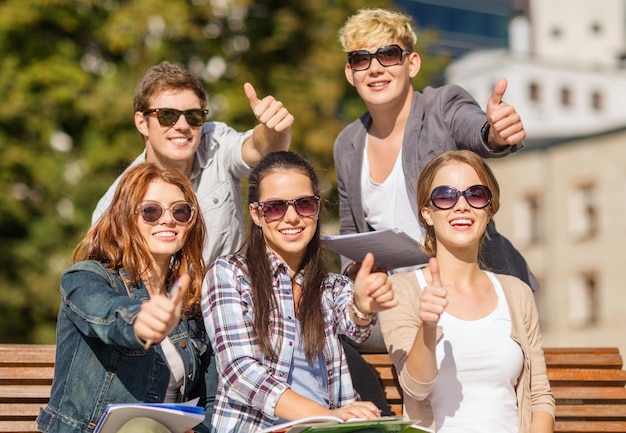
point(389, 55)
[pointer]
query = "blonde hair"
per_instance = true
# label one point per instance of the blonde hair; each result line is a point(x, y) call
point(372, 27)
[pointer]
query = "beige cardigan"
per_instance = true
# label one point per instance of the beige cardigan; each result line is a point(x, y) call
point(400, 325)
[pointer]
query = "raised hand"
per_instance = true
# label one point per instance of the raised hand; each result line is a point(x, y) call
point(353, 269)
point(505, 124)
point(433, 301)
point(269, 111)
point(372, 289)
point(160, 315)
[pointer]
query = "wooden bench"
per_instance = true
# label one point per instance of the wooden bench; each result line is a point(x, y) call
point(26, 373)
point(588, 385)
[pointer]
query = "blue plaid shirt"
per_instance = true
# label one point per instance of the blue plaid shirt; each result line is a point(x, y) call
point(249, 383)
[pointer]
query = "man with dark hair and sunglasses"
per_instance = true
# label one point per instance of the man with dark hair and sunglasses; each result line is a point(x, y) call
point(170, 107)
point(379, 156)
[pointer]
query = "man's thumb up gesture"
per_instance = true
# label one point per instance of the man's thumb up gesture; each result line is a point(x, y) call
point(505, 124)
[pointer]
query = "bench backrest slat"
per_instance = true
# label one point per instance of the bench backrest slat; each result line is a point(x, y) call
point(13, 355)
point(19, 426)
point(586, 377)
point(589, 426)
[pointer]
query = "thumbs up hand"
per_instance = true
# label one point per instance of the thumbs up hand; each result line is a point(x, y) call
point(505, 124)
point(160, 314)
point(372, 290)
point(269, 111)
point(433, 301)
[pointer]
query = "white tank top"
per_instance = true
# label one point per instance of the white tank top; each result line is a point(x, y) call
point(479, 365)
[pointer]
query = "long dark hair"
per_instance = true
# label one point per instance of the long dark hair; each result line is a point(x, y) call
point(309, 307)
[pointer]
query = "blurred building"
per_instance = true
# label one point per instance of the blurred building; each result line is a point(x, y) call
point(462, 26)
point(564, 196)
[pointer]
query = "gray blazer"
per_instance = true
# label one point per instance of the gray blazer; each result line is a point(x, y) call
point(441, 119)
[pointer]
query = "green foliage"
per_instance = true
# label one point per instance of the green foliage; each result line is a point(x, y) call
point(67, 74)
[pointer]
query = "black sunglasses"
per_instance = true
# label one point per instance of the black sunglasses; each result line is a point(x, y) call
point(389, 55)
point(152, 211)
point(169, 116)
point(445, 197)
point(276, 209)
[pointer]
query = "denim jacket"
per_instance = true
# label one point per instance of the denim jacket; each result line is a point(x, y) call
point(100, 360)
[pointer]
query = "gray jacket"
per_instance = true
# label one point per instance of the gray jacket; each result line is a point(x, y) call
point(441, 119)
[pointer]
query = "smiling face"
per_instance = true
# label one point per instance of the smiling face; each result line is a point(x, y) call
point(173, 145)
point(166, 236)
point(379, 85)
point(460, 228)
point(289, 236)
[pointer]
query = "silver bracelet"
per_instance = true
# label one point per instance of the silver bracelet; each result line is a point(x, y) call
point(359, 315)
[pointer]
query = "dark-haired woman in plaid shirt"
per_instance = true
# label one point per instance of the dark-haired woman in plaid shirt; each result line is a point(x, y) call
point(274, 313)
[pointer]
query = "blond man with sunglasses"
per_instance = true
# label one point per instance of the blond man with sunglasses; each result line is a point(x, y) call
point(171, 110)
point(379, 156)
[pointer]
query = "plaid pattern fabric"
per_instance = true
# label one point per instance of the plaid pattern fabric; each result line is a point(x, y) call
point(249, 383)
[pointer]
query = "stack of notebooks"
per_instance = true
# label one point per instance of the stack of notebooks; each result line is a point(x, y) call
point(178, 418)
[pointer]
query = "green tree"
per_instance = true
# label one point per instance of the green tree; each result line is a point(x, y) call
point(67, 74)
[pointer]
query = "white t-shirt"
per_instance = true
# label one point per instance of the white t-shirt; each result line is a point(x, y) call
point(389, 204)
point(177, 370)
point(479, 365)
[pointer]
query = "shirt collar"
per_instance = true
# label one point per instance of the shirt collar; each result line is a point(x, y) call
point(196, 170)
point(278, 266)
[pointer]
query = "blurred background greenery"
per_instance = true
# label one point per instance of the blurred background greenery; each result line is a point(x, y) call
point(68, 69)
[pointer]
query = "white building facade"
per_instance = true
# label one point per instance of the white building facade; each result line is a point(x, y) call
point(564, 196)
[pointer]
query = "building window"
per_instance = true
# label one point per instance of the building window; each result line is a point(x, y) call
point(583, 213)
point(528, 223)
point(566, 97)
point(596, 28)
point(584, 302)
point(534, 92)
point(534, 219)
point(597, 102)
